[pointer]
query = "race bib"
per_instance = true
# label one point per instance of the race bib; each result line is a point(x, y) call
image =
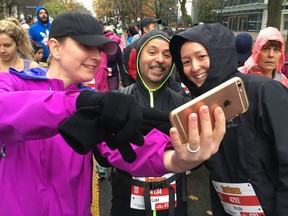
point(238, 199)
point(159, 198)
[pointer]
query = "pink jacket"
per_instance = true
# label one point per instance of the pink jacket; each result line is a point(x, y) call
point(111, 35)
point(101, 83)
point(155, 142)
point(122, 43)
point(40, 174)
point(285, 67)
point(101, 74)
point(269, 33)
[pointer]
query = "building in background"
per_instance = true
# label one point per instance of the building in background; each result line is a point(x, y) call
point(249, 15)
point(243, 15)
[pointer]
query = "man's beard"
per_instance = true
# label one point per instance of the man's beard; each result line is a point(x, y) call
point(162, 67)
point(44, 20)
point(157, 65)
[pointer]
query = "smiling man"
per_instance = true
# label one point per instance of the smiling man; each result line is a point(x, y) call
point(154, 67)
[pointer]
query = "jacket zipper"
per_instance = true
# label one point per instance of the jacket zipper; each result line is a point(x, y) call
point(2, 154)
point(151, 99)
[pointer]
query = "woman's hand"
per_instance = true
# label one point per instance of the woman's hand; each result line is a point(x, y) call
point(202, 144)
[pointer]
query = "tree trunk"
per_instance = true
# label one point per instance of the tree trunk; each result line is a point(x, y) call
point(184, 13)
point(274, 13)
point(2, 9)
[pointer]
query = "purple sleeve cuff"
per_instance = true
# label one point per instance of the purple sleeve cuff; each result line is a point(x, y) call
point(149, 160)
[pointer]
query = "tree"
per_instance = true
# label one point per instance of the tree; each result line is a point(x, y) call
point(2, 9)
point(7, 5)
point(274, 13)
point(55, 7)
point(186, 19)
point(123, 11)
point(162, 9)
point(132, 9)
point(206, 10)
point(103, 8)
point(274, 16)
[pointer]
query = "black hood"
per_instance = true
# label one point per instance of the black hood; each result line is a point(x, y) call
point(220, 44)
point(141, 44)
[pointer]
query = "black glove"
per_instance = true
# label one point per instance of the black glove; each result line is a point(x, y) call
point(114, 117)
point(100, 159)
point(120, 113)
point(82, 131)
point(153, 118)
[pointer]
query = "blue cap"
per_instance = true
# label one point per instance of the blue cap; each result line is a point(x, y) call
point(243, 46)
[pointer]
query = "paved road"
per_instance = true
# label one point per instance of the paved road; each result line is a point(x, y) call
point(197, 185)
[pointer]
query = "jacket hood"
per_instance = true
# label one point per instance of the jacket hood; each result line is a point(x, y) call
point(31, 74)
point(265, 35)
point(141, 44)
point(220, 44)
point(111, 35)
point(37, 11)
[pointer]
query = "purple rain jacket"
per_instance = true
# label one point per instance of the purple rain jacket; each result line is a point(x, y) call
point(40, 174)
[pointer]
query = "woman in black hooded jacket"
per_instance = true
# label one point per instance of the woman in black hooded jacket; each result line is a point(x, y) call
point(249, 173)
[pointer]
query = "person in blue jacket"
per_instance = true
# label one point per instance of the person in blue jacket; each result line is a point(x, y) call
point(39, 31)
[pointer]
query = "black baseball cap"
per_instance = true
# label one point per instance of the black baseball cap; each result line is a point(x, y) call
point(83, 28)
point(147, 20)
point(28, 18)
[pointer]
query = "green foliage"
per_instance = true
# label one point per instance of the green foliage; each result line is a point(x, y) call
point(206, 10)
point(133, 9)
point(163, 8)
point(103, 8)
point(56, 7)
